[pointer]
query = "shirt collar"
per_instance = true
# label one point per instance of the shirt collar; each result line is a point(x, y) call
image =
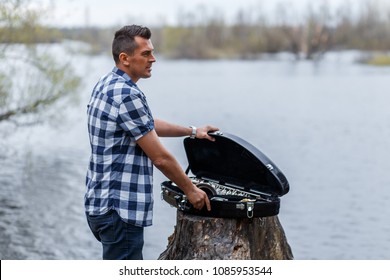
point(123, 74)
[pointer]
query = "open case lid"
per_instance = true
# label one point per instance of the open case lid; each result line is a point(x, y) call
point(231, 160)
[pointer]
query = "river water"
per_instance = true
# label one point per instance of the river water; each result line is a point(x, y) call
point(326, 125)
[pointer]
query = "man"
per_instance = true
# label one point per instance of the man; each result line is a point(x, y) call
point(125, 144)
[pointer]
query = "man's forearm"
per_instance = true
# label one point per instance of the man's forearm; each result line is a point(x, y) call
point(172, 170)
point(166, 129)
point(169, 166)
point(164, 160)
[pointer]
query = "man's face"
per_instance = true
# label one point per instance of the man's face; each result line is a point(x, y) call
point(140, 63)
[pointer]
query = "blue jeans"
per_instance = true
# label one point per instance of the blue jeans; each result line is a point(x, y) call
point(120, 240)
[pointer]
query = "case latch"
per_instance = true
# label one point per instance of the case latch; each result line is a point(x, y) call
point(250, 206)
point(181, 202)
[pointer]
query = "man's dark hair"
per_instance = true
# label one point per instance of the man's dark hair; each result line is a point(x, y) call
point(124, 39)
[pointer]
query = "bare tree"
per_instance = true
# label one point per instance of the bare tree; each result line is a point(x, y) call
point(30, 79)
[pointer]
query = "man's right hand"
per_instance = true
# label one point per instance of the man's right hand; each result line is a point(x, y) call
point(198, 198)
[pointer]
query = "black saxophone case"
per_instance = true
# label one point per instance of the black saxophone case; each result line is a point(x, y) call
point(240, 181)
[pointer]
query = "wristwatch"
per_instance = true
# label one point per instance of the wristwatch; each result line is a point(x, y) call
point(193, 132)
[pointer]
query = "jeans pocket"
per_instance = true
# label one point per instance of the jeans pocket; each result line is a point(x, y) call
point(103, 226)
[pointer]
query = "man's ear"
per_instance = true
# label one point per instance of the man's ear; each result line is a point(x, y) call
point(123, 58)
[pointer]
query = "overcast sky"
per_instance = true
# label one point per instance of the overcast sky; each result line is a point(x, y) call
point(70, 13)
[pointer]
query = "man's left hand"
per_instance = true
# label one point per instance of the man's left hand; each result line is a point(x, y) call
point(202, 132)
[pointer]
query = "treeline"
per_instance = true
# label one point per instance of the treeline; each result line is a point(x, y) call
point(205, 33)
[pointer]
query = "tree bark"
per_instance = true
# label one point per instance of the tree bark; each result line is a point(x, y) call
point(207, 238)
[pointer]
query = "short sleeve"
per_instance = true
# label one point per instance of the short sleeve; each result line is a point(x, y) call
point(134, 116)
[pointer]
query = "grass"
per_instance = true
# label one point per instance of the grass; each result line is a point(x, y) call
point(378, 60)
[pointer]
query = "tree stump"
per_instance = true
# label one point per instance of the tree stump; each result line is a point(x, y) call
point(207, 238)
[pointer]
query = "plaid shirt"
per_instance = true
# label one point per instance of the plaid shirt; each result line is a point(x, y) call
point(120, 174)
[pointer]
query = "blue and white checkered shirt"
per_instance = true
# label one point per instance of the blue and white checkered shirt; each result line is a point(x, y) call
point(120, 174)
